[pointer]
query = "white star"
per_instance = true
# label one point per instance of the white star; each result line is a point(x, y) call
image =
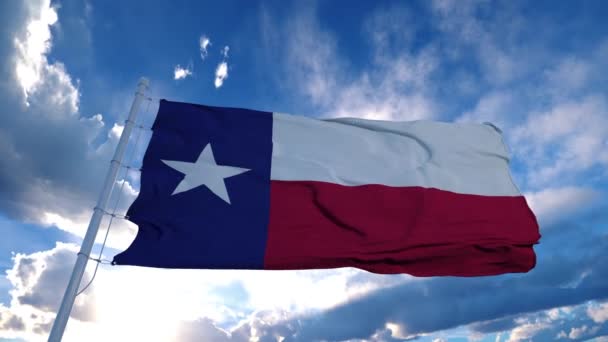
point(204, 171)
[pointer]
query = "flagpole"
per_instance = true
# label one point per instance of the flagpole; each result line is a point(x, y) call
point(63, 314)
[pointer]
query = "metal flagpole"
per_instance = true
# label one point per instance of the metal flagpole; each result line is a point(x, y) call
point(87, 244)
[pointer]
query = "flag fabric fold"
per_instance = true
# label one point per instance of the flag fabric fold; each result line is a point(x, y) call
point(227, 188)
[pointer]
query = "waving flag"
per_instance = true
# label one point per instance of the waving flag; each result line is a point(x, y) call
point(226, 188)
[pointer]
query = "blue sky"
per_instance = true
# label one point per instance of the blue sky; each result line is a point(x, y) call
point(68, 74)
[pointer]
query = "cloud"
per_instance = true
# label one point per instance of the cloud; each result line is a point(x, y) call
point(202, 330)
point(564, 141)
point(570, 74)
point(180, 73)
point(553, 204)
point(547, 103)
point(575, 327)
point(495, 107)
point(561, 278)
point(424, 298)
point(221, 73)
point(116, 130)
point(598, 313)
point(235, 305)
point(53, 179)
point(395, 86)
point(501, 324)
point(465, 35)
point(38, 280)
point(31, 63)
point(526, 331)
point(204, 42)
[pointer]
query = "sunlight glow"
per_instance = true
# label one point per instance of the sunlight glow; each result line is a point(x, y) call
point(31, 50)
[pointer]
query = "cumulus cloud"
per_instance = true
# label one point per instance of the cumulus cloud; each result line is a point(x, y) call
point(54, 178)
point(202, 330)
point(598, 313)
point(180, 73)
point(526, 331)
point(195, 305)
point(38, 280)
point(31, 63)
point(52, 181)
point(576, 327)
point(204, 42)
point(221, 73)
point(116, 130)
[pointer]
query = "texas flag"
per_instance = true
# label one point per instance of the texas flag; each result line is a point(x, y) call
point(227, 188)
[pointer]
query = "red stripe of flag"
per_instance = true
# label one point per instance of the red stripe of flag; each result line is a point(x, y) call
point(382, 229)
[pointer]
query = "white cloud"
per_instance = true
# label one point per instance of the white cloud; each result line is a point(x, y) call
point(53, 181)
point(128, 189)
point(553, 314)
point(493, 107)
point(180, 73)
point(204, 42)
point(122, 232)
point(67, 224)
point(398, 331)
point(569, 138)
point(571, 73)
point(383, 98)
point(203, 330)
point(552, 204)
point(576, 333)
point(598, 313)
point(221, 73)
point(38, 280)
point(33, 71)
point(31, 60)
point(395, 87)
point(565, 124)
point(192, 303)
point(491, 42)
point(116, 131)
point(526, 331)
